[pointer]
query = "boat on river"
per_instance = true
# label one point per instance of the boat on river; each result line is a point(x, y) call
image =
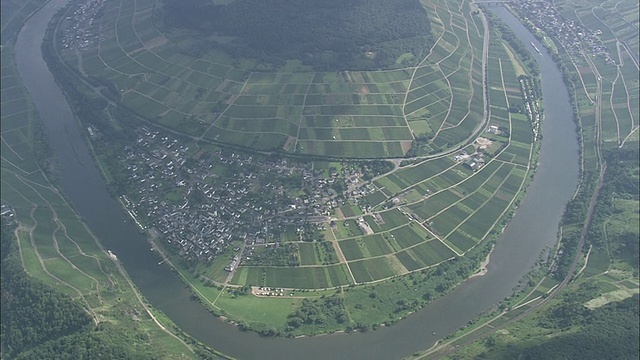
point(535, 47)
point(112, 255)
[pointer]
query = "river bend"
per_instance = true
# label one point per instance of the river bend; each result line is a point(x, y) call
point(532, 229)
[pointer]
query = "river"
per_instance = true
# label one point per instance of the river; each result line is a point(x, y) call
point(533, 228)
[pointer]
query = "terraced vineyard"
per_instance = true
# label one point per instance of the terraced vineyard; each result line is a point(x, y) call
point(342, 114)
point(606, 89)
point(430, 211)
point(609, 94)
point(595, 43)
point(458, 118)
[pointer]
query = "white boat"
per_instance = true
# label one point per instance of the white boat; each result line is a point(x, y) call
point(112, 255)
point(535, 48)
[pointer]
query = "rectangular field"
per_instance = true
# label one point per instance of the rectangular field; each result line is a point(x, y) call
point(371, 269)
point(292, 277)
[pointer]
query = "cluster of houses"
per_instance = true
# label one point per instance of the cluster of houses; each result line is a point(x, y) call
point(77, 31)
point(494, 129)
point(574, 36)
point(6, 212)
point(201, 201)
point(233, 264)
point(474, 161)
point(531, 106)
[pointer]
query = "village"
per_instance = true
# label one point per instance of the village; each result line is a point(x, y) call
point(203, 202)
point(77, 34)
point(574, 36)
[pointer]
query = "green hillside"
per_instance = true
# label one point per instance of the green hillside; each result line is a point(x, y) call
point(328, 34)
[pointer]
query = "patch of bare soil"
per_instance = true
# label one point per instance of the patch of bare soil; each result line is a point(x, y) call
point(406, 145)
point(483, 143)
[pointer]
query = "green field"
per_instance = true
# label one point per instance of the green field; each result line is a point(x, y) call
point(343, 114)
point(293, 278)
point(430, 210)
point(372, 269)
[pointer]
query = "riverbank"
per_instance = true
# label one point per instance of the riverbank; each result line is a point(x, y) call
point(572, 232)
point(483, 266)
point(230, 302)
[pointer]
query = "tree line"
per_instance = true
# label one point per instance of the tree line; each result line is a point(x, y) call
point(32, 313)
point(608, 332)
point(620, 182)
point(328, 34)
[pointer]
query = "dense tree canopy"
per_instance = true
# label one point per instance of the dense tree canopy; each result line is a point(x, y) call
point(622, 176)
point(32, 313)
point(327, 34)
point(39, 322)
point(325, 310)
point(621, 182)
point(104, 342)
point(609, 332)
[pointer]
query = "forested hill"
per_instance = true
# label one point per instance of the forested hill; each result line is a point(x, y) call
point(327, 34)
point(39, 322)
point(609, 332)
point(32, 313)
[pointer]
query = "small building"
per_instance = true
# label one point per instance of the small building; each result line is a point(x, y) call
point(232, 265)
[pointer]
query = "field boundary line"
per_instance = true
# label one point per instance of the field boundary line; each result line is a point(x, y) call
point(611, 104)
point(227, 108)
point(415, 69)
point(336, 244)
point(626, 90)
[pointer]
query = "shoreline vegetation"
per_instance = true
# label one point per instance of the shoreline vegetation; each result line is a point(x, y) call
point(482, 271)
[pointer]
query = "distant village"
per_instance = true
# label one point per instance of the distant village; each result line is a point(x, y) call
point(201, 202)
point(575, 38)
point(77, 34)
